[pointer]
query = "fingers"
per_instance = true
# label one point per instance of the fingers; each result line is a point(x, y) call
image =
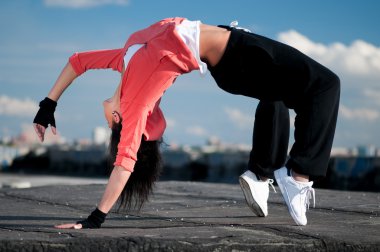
point(65, 226)
point(69, 226)
point(54, 130)
point(40, 130)
point(78, 226)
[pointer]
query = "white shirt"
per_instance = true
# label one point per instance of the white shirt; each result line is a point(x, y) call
point(189, 32)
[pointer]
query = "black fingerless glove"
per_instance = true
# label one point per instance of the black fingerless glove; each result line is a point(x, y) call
point(94, 220)
point(45, 114)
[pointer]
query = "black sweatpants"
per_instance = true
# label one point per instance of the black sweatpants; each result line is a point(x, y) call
point(282, 78)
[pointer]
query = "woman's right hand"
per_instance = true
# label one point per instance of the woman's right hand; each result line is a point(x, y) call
point(94, 220)
point(69, 226)
point(44, 117)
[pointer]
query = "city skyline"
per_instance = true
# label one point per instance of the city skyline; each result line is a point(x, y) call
point(39, 36)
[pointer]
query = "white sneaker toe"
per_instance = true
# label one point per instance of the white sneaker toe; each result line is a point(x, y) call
point(256, 192)
point(296, 195)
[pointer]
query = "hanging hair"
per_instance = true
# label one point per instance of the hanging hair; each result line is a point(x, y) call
point(146, 170)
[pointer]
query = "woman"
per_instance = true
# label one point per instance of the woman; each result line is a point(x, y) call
point(241, 63)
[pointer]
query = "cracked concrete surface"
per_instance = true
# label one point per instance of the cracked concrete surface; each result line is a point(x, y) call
point(186, 216)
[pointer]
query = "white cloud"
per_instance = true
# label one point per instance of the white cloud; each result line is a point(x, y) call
point(196, 131)
point(76, 4)
point(361, 114)
point(17, 107)
point(372, 94)
point(292, 118)
point(238, 118)
point(360, 58)
point(171, 123)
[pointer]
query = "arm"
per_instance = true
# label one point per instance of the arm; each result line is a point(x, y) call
point(115, 185)
point(98, 59)
point(119, 177)
point(45, 114)
point(78, 64)
point(67, 76)
point(83, 61)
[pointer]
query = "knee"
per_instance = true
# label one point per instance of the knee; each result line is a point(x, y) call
point(334, 81)
point(272, 109)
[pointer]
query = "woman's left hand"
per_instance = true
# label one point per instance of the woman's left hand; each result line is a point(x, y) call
point(69, 226)
point(44, 117)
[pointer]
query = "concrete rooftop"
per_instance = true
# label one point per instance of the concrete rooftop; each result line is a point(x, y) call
point(185, 216)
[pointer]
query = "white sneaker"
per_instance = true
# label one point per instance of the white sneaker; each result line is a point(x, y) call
point(296, 195)
point(256, 192)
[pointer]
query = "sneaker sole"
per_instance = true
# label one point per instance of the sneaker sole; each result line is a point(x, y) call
point(256, 209)
point(284, 193)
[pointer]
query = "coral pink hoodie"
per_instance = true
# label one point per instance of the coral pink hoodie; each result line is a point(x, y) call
point(151, 70)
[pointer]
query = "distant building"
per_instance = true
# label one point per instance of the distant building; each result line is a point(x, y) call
point(359, 151)
point(343, 152)
point(78, 159)
point(366, 151)
point(7, 154)
point(176, 159)
point(100, 136)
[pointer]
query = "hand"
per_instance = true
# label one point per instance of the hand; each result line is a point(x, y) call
point(69, 226)
point(44, 117)
point(40, 130)
point(94, 220)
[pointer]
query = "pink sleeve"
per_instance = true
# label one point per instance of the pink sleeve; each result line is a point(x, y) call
point(156, 124)
point(131, 133)
point(98, 59)
point(141, 121)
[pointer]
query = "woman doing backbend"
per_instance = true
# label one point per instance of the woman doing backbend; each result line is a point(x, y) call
point(241, 63)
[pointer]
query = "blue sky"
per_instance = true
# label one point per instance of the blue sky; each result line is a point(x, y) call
point(37, 37)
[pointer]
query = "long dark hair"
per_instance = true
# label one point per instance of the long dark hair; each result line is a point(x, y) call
point(146, 171)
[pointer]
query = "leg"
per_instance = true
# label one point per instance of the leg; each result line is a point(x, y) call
point(314, 132)
point(315, 128)
point(268, 70)
point(270, 138)
point(269, 151)
point(259, 67)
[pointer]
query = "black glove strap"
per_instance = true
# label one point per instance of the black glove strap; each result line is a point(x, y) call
point(94, 220)
point(48, 104)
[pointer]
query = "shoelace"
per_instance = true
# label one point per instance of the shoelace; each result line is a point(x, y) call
point(309, 194)
point(235, 24)
point(270, 182)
